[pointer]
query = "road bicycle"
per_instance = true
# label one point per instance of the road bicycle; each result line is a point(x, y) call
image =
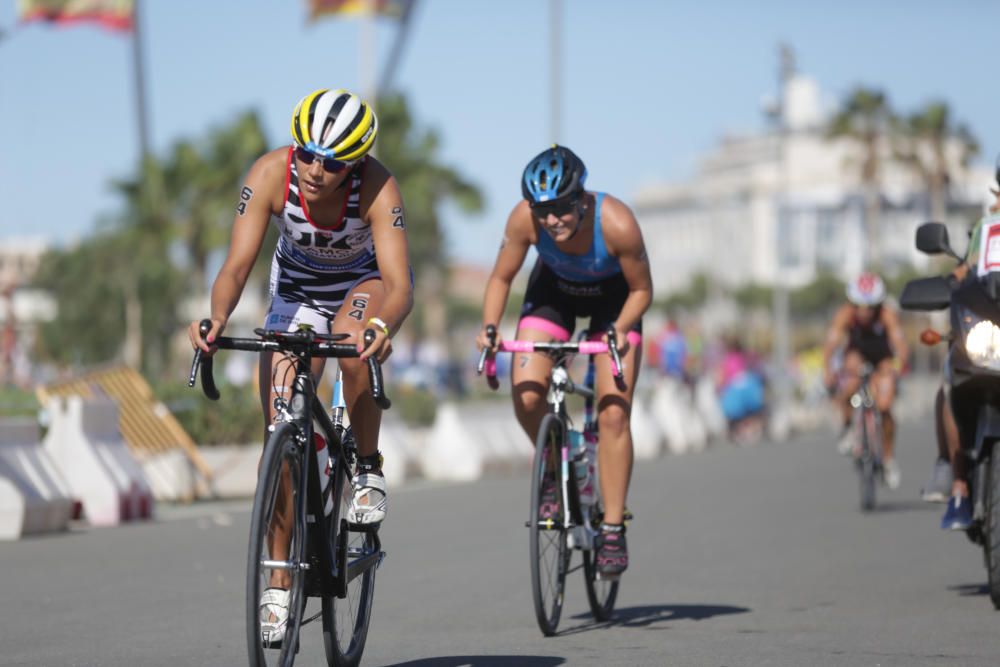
point(566, 522)
point(301, 531)
point(866, 423)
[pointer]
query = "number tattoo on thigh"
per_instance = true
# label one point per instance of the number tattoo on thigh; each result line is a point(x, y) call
point(358, 306)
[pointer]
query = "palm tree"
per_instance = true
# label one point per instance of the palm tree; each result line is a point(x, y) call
point(866, 119)
point(411, 155)
point(925, 138)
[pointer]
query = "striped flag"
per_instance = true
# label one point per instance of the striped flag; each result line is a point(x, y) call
point(112, 14)
point(391, 8)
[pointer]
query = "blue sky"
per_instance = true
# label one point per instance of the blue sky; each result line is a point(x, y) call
point(648, 86)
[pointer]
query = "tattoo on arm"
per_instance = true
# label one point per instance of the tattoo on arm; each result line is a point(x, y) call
point(398, 222)
point(246, 194)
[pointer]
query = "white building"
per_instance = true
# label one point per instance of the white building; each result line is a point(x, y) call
point(766, 207)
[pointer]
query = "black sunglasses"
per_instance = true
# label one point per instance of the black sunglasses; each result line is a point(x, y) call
point(556, 208)
point(329, 164)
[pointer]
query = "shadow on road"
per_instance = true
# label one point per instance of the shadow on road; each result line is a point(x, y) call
point(484, 661)
point(645, 616)
point(967, 590)
point(887, 506)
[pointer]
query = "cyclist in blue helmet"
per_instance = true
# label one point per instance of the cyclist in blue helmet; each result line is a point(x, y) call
point(591, 263)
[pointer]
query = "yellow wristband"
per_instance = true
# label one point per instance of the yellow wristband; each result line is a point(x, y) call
point(380, 324)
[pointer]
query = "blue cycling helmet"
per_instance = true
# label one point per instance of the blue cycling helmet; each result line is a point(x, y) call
point(554, 173)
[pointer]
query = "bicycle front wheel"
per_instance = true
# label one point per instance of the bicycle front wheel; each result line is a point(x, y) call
point(345, 619)
point(550, 553)
point(869, 460)
point(276, 557)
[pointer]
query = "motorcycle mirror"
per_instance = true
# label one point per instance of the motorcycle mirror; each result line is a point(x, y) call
point(930, 337)
point(932, 239)
point(931, 293)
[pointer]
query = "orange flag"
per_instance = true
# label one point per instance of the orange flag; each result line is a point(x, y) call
point(112, 14)
point(391, 8)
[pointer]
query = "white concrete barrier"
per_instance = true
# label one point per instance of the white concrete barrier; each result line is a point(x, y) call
point(33, 496)
point(87, 446)
point(452, 450)
point(647, 438)
point(396, 443)
point(170, 475)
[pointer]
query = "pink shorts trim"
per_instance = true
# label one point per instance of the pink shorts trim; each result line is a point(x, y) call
point(545, 326)
point(634, 337)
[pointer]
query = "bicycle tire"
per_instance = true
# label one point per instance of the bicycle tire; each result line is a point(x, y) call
point(548, 580)
point(281, 453)
point(601, 594)
point(346, 620)
point(868, 464)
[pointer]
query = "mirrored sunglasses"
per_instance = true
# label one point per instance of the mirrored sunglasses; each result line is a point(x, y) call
point(557, 208)
point(330, 164)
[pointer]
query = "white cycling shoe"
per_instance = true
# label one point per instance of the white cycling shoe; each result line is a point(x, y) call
point(845, 445)
point(370, 501)
point(273, 616)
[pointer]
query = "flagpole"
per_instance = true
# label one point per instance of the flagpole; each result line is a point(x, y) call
point(367, 56)
point(139, 80)
point(392, 64)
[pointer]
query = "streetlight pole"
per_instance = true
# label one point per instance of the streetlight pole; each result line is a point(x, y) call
point(781, 349)
point(555, 70)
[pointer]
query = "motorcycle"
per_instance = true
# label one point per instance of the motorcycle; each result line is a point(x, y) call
point(972, 372)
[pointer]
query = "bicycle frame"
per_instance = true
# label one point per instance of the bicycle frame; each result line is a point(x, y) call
point(863, 402)
point(303, 409)
point(579, 536)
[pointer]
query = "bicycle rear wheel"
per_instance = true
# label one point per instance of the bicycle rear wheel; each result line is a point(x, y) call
point(276, 552)
point(345, 620)
point(549, 551)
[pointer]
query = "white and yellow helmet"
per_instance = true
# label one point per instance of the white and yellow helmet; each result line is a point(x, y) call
point(334, 124)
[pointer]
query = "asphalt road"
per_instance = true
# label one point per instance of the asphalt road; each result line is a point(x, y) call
point(754, 556)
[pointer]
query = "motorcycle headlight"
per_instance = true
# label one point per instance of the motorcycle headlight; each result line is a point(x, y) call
point(982, 343)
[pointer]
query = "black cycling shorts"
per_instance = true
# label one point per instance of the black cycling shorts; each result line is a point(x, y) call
point(560, 302)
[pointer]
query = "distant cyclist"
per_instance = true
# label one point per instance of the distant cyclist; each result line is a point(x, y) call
point(591, 263)
point(870, 330)
point(333, 204)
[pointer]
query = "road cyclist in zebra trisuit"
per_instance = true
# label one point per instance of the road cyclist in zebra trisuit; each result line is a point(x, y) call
point(333, 204)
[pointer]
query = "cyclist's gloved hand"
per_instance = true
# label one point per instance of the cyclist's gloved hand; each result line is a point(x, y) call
point(205, 344)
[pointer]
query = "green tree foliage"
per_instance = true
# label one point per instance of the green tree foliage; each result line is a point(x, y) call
point(922, 143)
point(866, 117)
point(819, 298)
point(148, 257)
point(693, 296)
point(411, 155)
